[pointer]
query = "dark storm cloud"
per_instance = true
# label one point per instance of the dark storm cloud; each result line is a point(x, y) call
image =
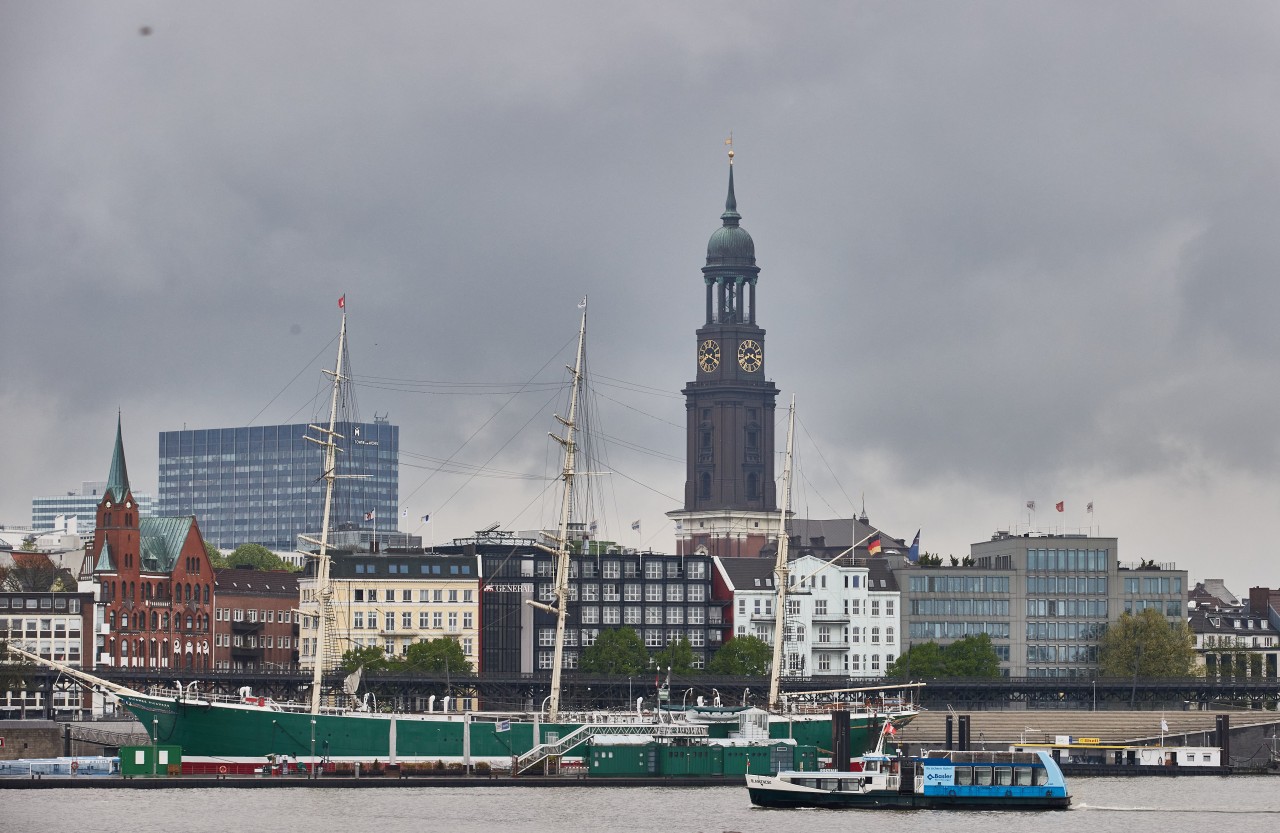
point(1008, 251)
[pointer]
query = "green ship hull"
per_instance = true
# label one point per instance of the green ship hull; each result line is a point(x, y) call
point(235, 732)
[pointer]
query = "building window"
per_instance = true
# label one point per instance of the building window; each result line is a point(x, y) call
point(390, 622)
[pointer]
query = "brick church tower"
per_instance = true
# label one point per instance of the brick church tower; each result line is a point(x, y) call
point(730, 505)
point(156, 582)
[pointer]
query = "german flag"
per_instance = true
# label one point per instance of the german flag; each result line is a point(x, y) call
point(873, 546)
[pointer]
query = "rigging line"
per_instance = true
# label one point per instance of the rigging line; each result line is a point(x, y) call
point(637, 447)
point(448, 384)
point(819, 494)
point(593, 394)
point(636, 387)
point(473, 473)
point(501, 448)
point(501, 392)
point(304, 369)
point(823, 458)
point(642, 413)
point(485, 424)
point(426, 461)
point(646, 486)
point(539, 496)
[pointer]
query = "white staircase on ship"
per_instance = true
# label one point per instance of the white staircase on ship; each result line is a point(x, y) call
point(555, 749)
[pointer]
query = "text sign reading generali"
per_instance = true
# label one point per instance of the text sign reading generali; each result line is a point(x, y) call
point(526, 587)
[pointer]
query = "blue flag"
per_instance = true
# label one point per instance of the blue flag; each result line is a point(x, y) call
point(913, 554)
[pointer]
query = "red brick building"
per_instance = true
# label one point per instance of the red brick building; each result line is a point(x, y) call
point(156, 582)
point(255, 623)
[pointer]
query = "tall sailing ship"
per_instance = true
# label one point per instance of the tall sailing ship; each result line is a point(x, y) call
point(238, 734)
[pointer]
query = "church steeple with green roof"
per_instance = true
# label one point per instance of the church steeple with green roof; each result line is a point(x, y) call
point(730, 504)
point(118, 477)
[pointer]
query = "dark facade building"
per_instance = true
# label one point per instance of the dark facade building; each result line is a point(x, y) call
point(254, 624)
point(261, 485)
point(664, 598)
point(730, 506)
point(156, 582)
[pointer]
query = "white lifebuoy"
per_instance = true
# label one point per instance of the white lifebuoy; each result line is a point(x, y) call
point(222, 770)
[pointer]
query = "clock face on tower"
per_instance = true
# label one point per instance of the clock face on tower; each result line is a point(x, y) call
point(750, 356)
point(708, 355)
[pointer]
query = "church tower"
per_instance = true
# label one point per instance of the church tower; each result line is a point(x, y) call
point(730, 505)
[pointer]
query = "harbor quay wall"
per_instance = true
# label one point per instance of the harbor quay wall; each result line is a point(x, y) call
point(30, 739)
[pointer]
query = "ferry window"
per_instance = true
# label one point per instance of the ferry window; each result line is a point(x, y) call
point(982, 776)
point(1004, 776)
point(1022, 776)
point(828, 784)
point(964, 776)
point(1040, 776)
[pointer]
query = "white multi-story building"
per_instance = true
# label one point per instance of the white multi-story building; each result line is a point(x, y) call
point(841, 618)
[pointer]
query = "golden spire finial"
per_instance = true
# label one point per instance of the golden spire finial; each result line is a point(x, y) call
point(729, 142)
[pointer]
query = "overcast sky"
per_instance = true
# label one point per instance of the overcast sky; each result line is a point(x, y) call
point(1009, 252)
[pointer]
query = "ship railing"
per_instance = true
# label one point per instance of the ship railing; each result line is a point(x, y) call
point(236, 699)
point(580, 735)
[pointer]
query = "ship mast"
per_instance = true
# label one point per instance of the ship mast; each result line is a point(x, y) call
point(324, 593)
point(780, 567)
point(561, 589)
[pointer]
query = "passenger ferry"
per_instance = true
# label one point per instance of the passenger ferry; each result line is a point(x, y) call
point(939, 779)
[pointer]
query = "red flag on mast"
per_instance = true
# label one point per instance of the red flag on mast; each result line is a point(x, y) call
point(1059, 506)
point(342, 302)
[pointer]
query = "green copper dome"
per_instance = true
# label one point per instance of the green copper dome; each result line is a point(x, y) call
point(731, 245)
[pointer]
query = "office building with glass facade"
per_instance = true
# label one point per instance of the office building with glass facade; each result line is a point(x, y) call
point(1045, 600)
point(82, 505)
point(261, 484)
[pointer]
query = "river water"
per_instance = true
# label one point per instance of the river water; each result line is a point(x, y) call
point(1100, 805)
